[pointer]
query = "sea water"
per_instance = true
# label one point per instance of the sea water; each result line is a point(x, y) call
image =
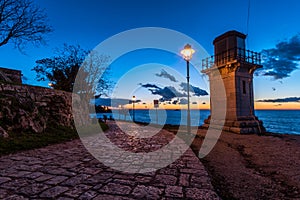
point(276, 121)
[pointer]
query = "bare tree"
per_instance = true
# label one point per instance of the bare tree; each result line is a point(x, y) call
point(22, 22)
point(89, 68)
point(97, 79)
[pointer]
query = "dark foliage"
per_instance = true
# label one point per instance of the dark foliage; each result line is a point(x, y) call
point(61, 69)
point(22, 22)
point(72, 62)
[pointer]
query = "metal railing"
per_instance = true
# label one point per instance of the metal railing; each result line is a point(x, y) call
point(235, 54)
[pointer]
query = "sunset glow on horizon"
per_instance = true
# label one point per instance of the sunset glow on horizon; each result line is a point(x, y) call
point(257, 106)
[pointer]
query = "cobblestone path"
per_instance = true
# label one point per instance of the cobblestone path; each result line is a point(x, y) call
point(68, 171)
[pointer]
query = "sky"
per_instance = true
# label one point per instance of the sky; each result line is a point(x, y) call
point(88, 23)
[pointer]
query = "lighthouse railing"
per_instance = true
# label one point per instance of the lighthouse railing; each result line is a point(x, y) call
point(231, 55)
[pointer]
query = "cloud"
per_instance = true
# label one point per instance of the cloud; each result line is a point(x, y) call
point(165, 74)
point(115, 102)
point(281, 61)
point(183, 101)
point(149, 85)
point(136, 101)
point(282, 100)
point(169, 92)
point(166, 93)
point(196, 90)
point(175, 102)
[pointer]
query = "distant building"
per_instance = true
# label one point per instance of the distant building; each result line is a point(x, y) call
point(10, 76)
point(232, 67)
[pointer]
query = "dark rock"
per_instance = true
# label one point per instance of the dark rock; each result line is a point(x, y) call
point(26, 108)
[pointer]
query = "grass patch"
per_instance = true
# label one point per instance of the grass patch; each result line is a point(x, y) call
point(92, 129)
point(25, 141)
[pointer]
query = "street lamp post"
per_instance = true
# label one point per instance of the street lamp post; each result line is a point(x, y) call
point(133, 109)
point(120, 107)
point(187, 54)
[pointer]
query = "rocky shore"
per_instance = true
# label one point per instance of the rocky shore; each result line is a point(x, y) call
point(254, 167)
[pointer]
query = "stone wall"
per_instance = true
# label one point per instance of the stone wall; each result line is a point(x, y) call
point(25, 108)
point(10, 76)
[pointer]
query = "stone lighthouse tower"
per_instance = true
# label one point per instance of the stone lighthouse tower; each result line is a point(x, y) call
point(233, 66)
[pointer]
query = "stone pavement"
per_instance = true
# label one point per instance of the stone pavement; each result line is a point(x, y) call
point(68, 171)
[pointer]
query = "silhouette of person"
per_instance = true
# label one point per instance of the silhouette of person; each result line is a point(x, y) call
point(104, 118)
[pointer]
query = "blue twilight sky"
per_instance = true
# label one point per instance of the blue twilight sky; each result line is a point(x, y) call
point(90, 22)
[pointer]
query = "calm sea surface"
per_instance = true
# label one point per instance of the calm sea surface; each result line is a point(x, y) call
point(277, 121)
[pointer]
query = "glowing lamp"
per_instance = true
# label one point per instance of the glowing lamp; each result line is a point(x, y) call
point(133, 101)
point(187, 52)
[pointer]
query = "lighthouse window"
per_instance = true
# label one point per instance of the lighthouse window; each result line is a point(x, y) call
point(240, 43)
point(241, 47)
point(244, 87)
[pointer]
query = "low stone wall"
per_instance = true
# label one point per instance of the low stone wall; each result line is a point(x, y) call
point(10, 75)
point(25, 108)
